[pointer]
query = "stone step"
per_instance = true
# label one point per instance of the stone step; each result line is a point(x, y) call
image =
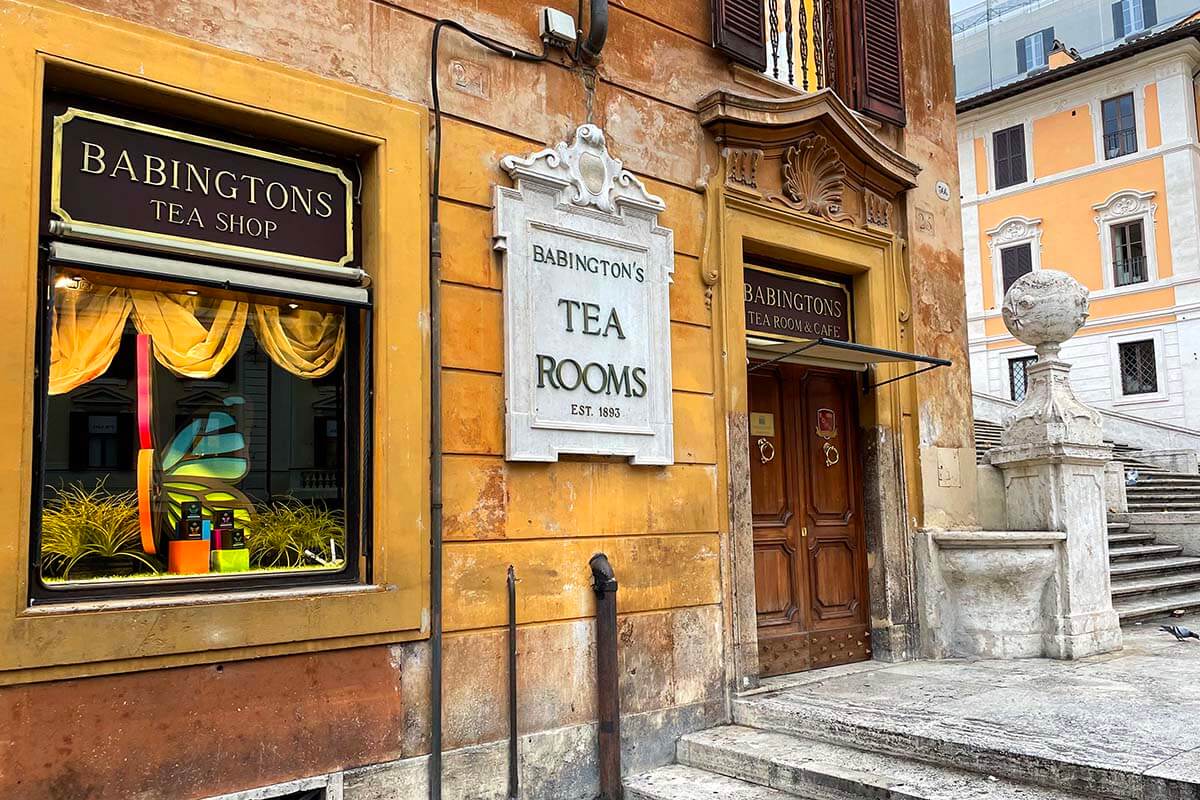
point(805, 767)
point(1157, 492)
point(1157, 605)
point(1163, 477)
point(1159, 507)
point(1156, 566)
point(1144, 551)
point(678, 782)
point(1003, 751)
point(1120, 539)
point(1150, 585)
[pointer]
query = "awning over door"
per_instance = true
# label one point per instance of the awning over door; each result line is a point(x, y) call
point(847, 355)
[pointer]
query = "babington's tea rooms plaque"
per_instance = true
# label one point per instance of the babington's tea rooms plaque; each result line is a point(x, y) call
point(587, 274)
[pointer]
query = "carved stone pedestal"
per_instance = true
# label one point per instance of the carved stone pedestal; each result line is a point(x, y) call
point(1060, 487)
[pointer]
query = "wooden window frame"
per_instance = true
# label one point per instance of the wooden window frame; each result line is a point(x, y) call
point(63, 47)
point(1117, 131)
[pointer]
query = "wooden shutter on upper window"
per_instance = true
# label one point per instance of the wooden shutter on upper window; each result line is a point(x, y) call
point(738, 31)
point(1150, 13)
point(875, 34)
point(1118, 21)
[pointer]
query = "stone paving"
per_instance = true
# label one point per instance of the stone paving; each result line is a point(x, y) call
point(1134, 713)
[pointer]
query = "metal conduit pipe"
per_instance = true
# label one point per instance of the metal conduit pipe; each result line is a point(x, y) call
point(604, 584)
point(589, 46)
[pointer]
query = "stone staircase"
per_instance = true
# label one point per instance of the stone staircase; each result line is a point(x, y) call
point(747, 763)
point(987, 436)
point(784, 750)
point(1148, 579)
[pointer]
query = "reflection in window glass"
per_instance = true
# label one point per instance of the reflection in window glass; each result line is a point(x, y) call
point(191, 433)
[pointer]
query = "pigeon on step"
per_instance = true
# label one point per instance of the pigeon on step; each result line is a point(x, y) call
point(1131, 477)
point(1179, 632)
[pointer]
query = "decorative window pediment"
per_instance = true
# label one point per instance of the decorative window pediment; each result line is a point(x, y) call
point(1013, 232)
point(1125, 223)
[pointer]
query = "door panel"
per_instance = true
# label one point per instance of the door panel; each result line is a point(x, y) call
point(809, 544)
point(775, 502)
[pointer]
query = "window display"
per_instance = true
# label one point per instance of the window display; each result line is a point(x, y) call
point(192, 433)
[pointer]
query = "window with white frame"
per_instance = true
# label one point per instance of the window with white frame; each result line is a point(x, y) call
point(1125, 223)
point(1120, 126)
point(1033, 51)
point(1129, 253)
point(1133, 16)
point(1139, 367)
point(1008, 157)
point(1015, 245)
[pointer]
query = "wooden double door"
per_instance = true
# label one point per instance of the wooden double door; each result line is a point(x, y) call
point(810, 559)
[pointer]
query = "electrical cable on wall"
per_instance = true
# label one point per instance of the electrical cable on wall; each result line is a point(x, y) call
point(435, 381)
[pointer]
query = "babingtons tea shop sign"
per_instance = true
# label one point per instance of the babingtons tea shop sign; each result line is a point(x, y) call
point(129, 182)
point(793, 306)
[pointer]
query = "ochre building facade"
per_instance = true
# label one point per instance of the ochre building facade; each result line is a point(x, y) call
point(259, 613)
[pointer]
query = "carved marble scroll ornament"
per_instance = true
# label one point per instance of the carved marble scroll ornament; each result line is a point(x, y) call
point(596, 178)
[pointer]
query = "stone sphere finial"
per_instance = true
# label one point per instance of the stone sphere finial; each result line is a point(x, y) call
point(1045, 308)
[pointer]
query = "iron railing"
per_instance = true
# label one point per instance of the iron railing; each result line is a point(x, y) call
point(1131, 270)
point(801, 43)
point(1120, 143)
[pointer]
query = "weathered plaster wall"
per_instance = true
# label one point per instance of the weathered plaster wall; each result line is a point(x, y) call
point(934, 231)
point(152, 734)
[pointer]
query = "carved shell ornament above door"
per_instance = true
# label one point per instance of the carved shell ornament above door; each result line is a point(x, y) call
point(588, 169)
point(814, 177)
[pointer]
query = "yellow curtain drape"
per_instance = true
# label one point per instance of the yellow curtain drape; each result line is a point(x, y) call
point(193, 336)
point(305, 342)
point(85, 334)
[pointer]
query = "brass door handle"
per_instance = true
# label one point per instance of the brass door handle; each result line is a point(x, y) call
point(832, 456)
point(766, 451)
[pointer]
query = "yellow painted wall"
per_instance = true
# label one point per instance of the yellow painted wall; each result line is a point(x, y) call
point(981, 167)
point(1153, 123)
point(1062, 142)
point(1070, 239)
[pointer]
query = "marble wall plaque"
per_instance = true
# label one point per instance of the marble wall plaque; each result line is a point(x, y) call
point(587, 274)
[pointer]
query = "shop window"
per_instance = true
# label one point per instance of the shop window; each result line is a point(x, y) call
point(1018, 376)
point(1015, 261)
point(1139, 369)
point(194, 473)
point(1133, 16)
point(1129, 253)
point(1034, 50)
point(1008, 153)
point(1120, 126)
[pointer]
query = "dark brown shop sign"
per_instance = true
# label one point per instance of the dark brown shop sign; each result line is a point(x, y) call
point(788, 306)
point(136, 183)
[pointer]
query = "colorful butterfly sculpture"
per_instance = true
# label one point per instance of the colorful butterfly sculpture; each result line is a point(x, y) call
point(201, 464)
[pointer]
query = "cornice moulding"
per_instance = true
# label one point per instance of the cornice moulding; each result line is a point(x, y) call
point(727, 108)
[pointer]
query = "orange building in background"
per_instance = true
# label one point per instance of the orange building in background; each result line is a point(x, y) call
point(1092, 167)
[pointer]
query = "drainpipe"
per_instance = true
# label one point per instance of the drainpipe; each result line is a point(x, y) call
point(589, 47)
point(605, 586)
